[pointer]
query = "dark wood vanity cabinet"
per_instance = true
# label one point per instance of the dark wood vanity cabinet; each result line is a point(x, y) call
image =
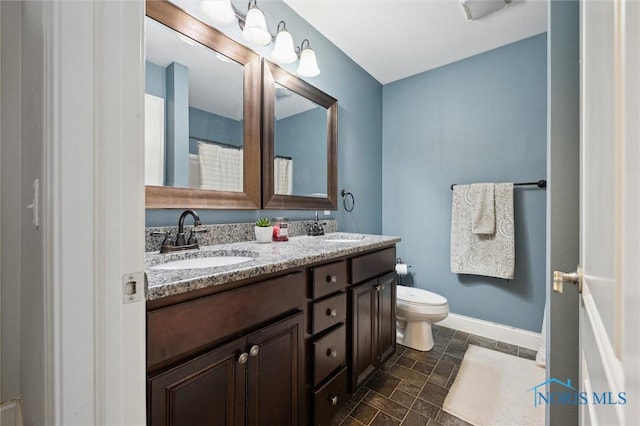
point(251, 380)
point(286, 350)
point(373, 316)
point(231, 358)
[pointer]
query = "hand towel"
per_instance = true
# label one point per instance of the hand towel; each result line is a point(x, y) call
point(483, 218)
point(488, 255)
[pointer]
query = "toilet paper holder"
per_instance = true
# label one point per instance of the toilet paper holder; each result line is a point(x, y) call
point(403, 271)
point(399, 261)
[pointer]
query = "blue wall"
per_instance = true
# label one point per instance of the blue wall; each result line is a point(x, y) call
point(205, 125)
point(155, 82)
point(359, 131)
point(177, 115)
point(303, 137)
point(482, 119)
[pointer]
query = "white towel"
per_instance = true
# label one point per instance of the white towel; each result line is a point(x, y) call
point(488, 255)
point(283, 176)
point(483, 217)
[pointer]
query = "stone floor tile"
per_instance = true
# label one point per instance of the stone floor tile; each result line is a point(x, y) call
point(434, 394)
point(383, 419)
point(415, 419)
point(390, 407)
point(363, 413)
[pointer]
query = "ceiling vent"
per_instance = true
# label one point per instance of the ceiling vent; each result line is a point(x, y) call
point(476, 9)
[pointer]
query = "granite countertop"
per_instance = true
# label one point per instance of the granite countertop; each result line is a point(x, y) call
point(267, 258)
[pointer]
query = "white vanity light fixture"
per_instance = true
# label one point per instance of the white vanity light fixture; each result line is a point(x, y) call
point(255, 31)
point(255, 26)
point(219, 11)
point(283, 50)
point(308, 66)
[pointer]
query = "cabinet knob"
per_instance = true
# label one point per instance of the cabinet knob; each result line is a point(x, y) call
point(332, 353)
point(332, 313)
point(332, 279)
point(254, 350)
point(243, 358)
point(334, 400)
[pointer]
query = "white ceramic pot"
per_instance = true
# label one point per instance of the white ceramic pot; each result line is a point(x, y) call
point(263, 233)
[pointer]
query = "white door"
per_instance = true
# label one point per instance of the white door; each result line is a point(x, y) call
point(609, 213)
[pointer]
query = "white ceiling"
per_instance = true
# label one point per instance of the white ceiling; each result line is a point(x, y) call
point(392, 40)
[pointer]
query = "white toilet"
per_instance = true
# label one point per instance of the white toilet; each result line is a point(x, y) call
point(416, 310)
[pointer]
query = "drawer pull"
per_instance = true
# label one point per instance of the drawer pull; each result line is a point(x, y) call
point(334, 400)
point(243, 358)
point(254, 350)
point(332, 313)
point(332, 353)
point(332, 279)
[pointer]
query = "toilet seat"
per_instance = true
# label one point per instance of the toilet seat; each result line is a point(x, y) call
point(418, 297)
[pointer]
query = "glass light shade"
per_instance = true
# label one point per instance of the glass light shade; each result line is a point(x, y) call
point(283, 51)
point(255, 28)
point(219, 11)
point(308, 66)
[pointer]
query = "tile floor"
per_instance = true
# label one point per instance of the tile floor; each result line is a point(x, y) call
point(411, 387)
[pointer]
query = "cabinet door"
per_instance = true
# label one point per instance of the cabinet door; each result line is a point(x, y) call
point(209, 390)
point(363, 299)
point(275, 382)
point(386, 317)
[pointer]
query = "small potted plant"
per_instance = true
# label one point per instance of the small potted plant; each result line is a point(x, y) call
point(264, 230)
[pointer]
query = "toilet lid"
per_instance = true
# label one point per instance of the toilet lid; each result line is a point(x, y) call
point(419, 296)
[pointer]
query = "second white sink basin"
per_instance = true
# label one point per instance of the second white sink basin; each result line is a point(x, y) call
point(343, 238)
point(203, 262)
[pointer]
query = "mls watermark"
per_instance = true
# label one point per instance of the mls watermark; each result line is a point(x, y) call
point(571, 396)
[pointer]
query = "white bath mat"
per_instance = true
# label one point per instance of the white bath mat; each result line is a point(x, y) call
point(491, 389)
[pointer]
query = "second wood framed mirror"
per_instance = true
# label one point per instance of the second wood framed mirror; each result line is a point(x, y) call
point(300, 143)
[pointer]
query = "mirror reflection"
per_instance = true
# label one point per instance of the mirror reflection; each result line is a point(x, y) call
point(194, 114)
point(300, 145)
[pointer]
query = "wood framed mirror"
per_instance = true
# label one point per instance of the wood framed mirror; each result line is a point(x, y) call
point(300, 143)
point(202, 141)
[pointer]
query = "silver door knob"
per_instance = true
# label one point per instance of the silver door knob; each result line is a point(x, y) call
point(334, 400)
point(332, 313)
point(243, 358)
point(332, 279)
point(560, 277)
point(254, 350)
point(332, 353)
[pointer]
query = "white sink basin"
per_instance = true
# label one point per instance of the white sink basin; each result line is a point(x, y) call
point(343, 238)
point(203, 262)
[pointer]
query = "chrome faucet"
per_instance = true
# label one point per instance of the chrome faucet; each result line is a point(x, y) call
point(315, 228)
point(181, 242)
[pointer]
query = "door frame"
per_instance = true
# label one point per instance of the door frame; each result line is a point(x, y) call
point(93, 212)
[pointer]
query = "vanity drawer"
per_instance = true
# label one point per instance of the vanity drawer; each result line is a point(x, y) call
point(372, 265)
point(329, 312)
point(213, 318)
point(330, 398)
point(329, 278)
point(329, 353)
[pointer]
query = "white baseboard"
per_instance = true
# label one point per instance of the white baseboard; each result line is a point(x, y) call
point(492, 330)
point(11, 413)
